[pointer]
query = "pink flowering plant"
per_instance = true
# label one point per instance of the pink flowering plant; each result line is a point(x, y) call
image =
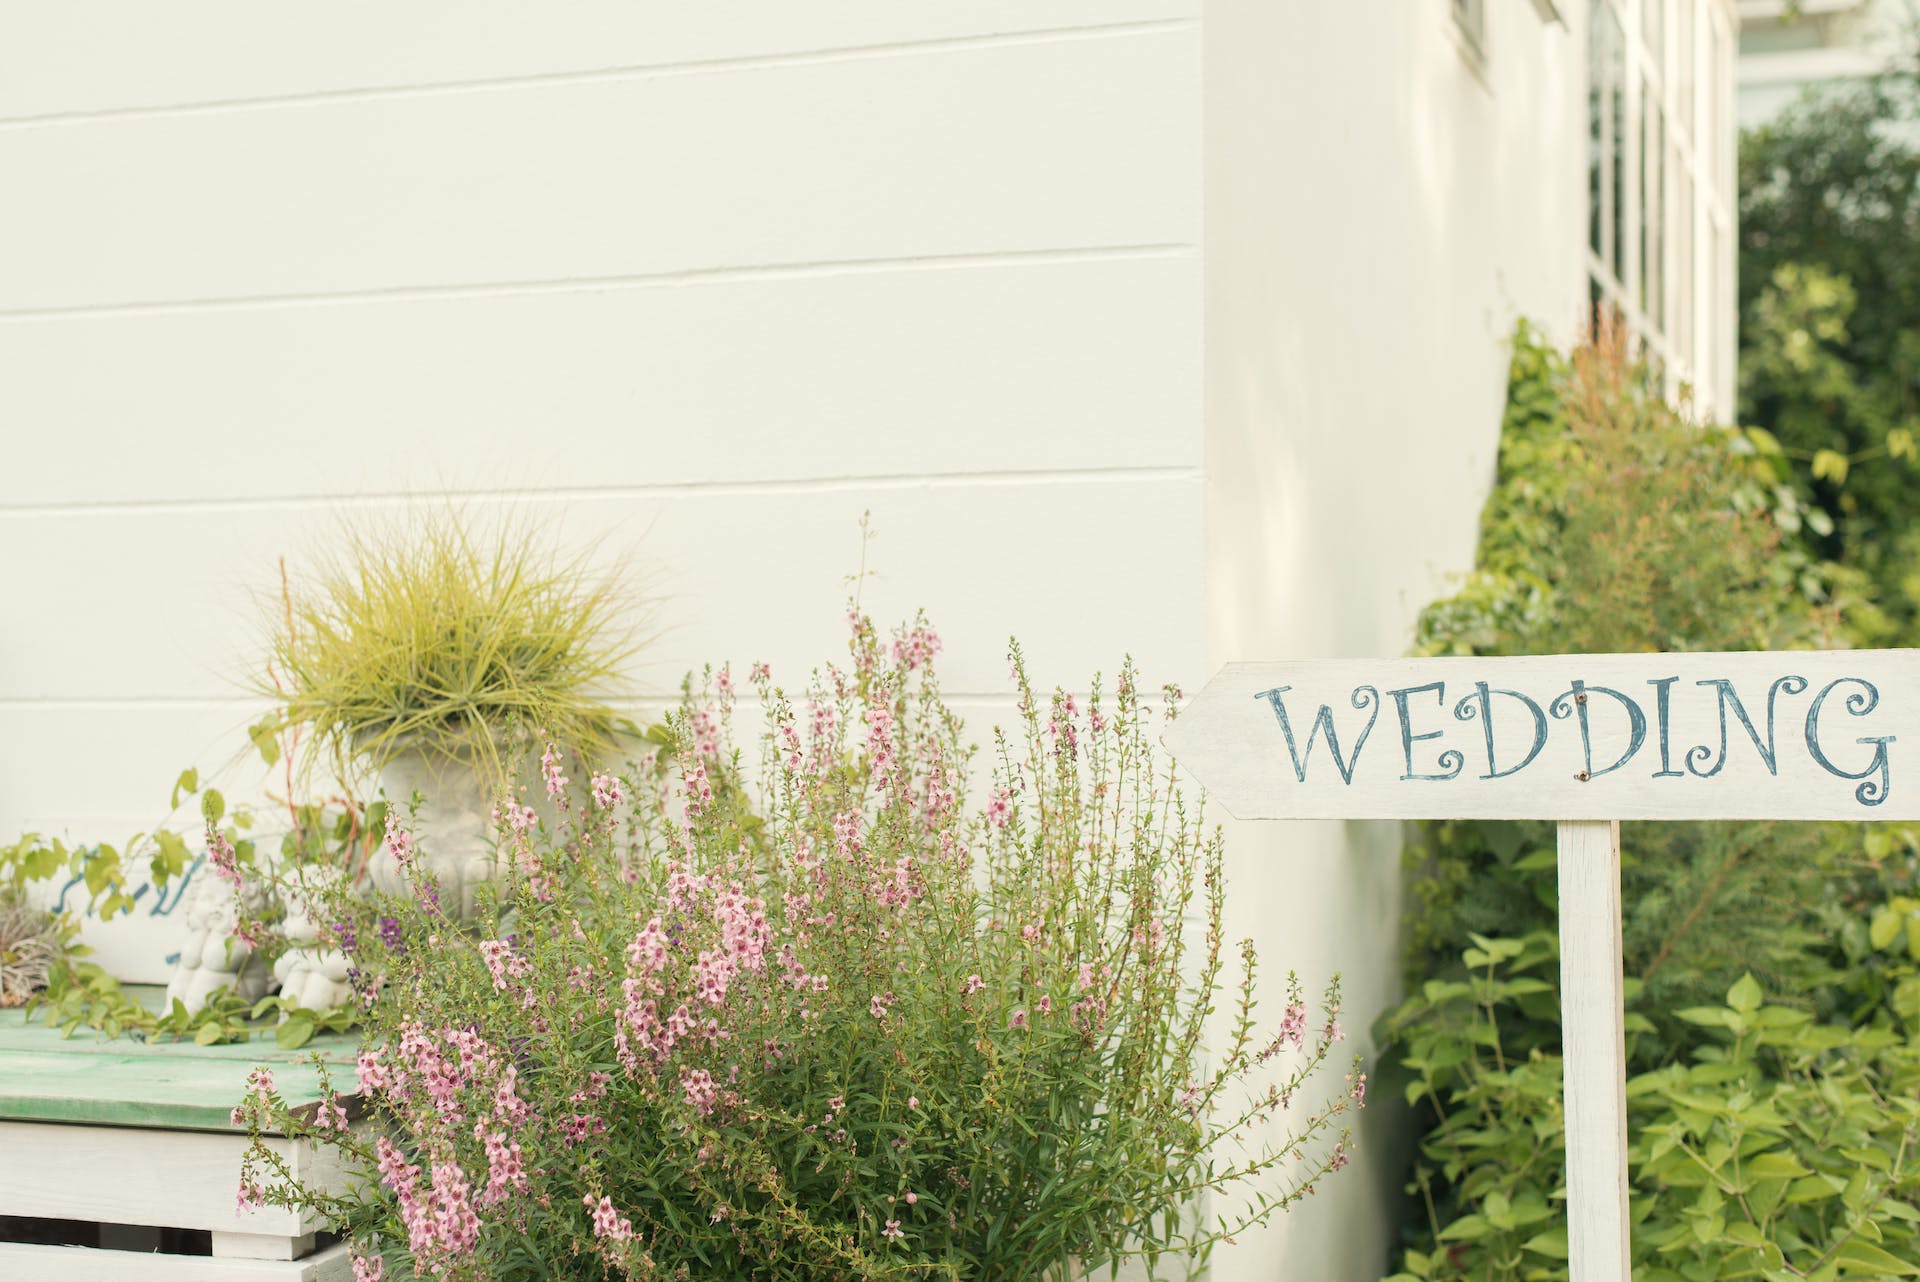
point(833, 1023)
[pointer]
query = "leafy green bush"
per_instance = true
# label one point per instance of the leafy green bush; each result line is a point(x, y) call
point(1779, 1147)
point(1616, 525)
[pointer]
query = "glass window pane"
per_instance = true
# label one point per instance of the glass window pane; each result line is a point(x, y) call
point(1684, 18)
point(1719, 71)
point(1616, 55)
point(1683, 271)
point(1596, 131)
point(1716, 352)
point(1653, 215)
point(1653, 29)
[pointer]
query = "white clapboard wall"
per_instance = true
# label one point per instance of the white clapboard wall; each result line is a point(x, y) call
point(1782, 735)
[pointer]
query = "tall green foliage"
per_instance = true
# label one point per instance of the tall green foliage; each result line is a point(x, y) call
point(1830, 318)
point(1616, 525)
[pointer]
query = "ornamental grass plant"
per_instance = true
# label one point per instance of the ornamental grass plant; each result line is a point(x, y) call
point(835, 1022)
point(446, 632)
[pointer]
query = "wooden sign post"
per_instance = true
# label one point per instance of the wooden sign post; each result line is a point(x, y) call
point(1587, 740)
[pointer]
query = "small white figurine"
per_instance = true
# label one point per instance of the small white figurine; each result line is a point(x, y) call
point(313, 970)
point(213, 956)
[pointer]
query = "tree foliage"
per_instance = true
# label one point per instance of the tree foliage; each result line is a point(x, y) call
point(1830, 319)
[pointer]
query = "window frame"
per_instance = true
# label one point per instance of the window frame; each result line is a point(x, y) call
point(1660, 224)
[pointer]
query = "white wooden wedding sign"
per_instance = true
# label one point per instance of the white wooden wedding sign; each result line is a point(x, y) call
point(1587, 740)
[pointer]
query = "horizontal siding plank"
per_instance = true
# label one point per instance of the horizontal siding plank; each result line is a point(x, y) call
point(995, 149)
point(1018, 367)
point(161, 608)
point(88, 58)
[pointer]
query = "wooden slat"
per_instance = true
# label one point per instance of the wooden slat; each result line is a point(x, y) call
point(1070, 144)
point(88, 58)
point(976, 577)
point(122, 1082)
point(120, 1175)
point(600, 376)
point(24, 1263)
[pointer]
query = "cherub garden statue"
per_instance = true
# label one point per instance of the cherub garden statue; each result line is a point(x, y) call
point(313, 972)
point(213, 956)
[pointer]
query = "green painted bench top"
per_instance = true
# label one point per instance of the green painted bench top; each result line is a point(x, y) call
point(160, 1085)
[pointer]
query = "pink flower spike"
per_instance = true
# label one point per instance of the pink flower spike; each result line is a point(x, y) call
point(607, 792)
point(550, 768)
point(220, 854)
point(607, 1222)
point(399, 841)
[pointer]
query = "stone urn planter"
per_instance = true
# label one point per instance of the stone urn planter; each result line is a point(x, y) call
point(452, 827)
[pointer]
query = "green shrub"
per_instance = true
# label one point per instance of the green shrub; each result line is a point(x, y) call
point(880, 1032)
point(1779, 1147)
point(1616, 525)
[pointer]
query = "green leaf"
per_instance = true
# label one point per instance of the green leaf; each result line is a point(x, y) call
point(1745, 995)
point(1552, 1244)
point(1465, 1229)
point(1831, 465)
point(101, 870)
point(295, 1033)
point(170, 858)
point(1706, 1016)
point(207, 1035)
point(188, 782)
point(1814, 1188)
point(1773, 1166)
point(213, 806)
point(1884, 927)
point(265, 736)
point(1864, 1257)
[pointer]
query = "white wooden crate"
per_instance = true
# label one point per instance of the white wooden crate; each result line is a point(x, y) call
point(158, 1179)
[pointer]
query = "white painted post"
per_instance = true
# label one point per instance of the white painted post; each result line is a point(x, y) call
point(1593, 1041)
